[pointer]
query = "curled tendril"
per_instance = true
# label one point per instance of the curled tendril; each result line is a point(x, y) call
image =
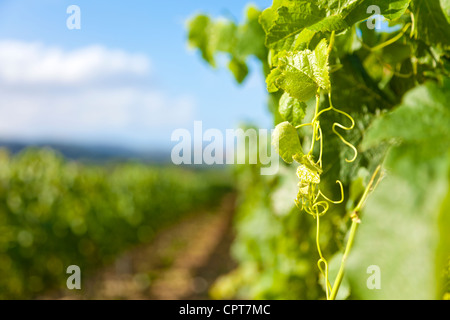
point(307, 200)
point(309, 173)
point(309, 197)
point(342, 138)
point(317, 131)
point(336, 124)
point(337, 201)
point(321, 204)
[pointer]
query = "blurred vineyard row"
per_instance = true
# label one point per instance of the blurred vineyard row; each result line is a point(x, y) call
point(55, 213)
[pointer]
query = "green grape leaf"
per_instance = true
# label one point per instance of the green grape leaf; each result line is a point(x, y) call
point(432, 25)
point(223, 36)
point(286, 142)
point(338, 6)
point(289, 24)
point(198, 37)
point(429, 103)
point(390, 9)
point(320, 65)
point(289, 20)
point(301, 73)
point(291, 109)
point(267, 17)
point(304, 37)
point(211, 37)
point(400, 231)
point(405, 209)
point(250, 37)
point(328, 24)
point(294, 76)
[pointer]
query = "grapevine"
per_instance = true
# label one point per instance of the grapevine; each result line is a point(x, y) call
point(310, 198)
point(384, 88)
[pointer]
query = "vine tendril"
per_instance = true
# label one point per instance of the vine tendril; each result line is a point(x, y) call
point(335, 202)
point(309, 194)
point(309, 171)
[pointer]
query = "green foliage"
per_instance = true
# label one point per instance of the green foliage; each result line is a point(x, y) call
point(432, 25)
point(301, 73)
point(381, 93)
point(418, 174)
point(270, 266)
point(390, 9)
point(289, 24)
point(223, 36)
point(55, 213)
point(445, 4)
point(429, 103)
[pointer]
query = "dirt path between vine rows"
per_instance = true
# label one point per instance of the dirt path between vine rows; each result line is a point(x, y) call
point(181, 262)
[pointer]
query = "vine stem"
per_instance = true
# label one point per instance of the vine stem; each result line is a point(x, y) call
point(314, 122)
point(390, 41)
point(355, 223)
point(340, 276)
point(322, 259)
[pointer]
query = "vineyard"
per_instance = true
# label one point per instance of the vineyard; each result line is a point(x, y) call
point(56, 213)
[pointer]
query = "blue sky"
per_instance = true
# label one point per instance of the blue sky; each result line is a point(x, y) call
point(126, 78)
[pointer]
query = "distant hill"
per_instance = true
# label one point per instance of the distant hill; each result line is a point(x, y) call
point(97, 153)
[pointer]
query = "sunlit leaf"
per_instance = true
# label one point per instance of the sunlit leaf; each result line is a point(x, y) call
point(301, 73)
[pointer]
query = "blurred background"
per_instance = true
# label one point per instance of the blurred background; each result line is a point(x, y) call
point(86, 117)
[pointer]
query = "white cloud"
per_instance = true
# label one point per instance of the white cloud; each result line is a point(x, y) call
point(90, 93)
point(33, 63)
